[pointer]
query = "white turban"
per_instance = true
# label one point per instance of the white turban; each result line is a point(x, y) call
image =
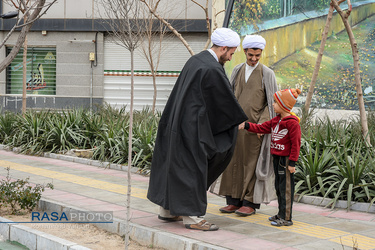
point(225, 37)
point(253, 41)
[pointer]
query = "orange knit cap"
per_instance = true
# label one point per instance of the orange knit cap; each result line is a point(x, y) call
point(287, 98)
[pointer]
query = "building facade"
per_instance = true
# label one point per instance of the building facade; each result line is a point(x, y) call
point(73, 62)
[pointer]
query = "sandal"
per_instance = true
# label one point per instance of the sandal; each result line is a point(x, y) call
point(281, 222)
point(203, 225)
point(273, 218)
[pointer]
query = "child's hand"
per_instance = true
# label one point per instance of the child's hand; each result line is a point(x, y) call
point(291, 169)
point(241, 126)
point(259, 135)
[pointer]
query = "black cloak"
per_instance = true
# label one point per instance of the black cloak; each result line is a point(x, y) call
point(196, 137)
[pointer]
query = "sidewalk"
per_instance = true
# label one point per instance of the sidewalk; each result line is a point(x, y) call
point(92, 188)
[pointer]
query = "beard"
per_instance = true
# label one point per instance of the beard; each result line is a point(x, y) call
point(223, 58)
point(221, 61)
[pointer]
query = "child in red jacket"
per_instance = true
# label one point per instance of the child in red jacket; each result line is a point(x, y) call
point(285, 146)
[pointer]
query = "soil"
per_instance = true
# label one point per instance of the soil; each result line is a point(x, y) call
point(86, 235)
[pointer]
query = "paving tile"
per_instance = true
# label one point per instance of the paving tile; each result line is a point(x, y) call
point(105, 207)
point(134, 214)
point(150, 221)
point(224, 222)
point(351, 226)
point(252, 230)
point(287, 238)
point(65, 197)
point(352, 215)
point(369, 233)
point(314, 219)
point(215, 237)
point(175, 228)
point(88, 202)
point(321, 245)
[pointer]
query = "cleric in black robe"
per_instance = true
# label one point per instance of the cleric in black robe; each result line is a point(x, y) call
point(196, 134)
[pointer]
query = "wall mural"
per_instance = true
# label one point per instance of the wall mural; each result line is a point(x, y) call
point(40, 72)
point(335, 87)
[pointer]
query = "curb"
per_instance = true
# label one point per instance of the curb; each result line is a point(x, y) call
point(90, 162)
point(323, 202)
point(34, 239)
point(141, 234)
point(77, 160)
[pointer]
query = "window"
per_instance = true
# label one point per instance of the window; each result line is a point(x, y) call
point(40, 72)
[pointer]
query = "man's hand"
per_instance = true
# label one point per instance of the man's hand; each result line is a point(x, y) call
point(241, 126)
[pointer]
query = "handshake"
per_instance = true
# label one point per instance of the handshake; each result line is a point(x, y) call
point(242, 125)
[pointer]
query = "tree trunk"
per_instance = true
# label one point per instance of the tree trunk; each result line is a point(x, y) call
point(155, 91)
point(13, 53)
point(24, 76)
point(358, 85)
point(318, 60)
point(130, 150)
point(153, 70)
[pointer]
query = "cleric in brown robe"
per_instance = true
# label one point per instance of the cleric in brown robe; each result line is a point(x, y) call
point(247, 181)
point(196, 135)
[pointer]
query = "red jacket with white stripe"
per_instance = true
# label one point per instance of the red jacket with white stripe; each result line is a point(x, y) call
point(285, 136)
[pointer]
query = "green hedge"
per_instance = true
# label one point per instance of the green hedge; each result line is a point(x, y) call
point(334, 161)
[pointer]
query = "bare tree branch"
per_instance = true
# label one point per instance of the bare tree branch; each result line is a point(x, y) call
point(157, 4)
point(17, 25)
point(169, 27)
point(198, 4)
point(14, 4)
point(10, 32)
point(215, 19)
point(33, 14)
point(36, 18)
point(219, 12)
point(208, 24)
point(152, 49)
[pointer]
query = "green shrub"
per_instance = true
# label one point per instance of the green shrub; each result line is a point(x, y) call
point(336, 163)
point(349, 181)
point(19, 194)
point(63, 131)
point(29, 135)
point(8, 123)
point(144, 132)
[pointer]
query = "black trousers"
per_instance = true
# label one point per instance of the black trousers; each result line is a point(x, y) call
point(284, 185)
point(239, 203)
